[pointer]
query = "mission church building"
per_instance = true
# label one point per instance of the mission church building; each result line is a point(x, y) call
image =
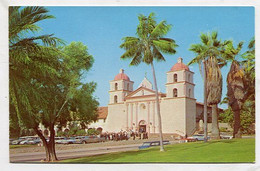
point(135, 110)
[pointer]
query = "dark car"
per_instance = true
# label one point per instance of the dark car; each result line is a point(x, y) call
point(152, 144)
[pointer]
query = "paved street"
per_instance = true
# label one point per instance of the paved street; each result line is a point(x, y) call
point(72, 153)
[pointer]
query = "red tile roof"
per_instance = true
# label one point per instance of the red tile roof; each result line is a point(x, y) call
point(102, 112)
point(180, 66)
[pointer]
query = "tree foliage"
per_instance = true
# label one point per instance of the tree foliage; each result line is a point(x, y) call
point(45, 79)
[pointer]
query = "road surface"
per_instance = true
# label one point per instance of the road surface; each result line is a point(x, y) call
point(72, 153)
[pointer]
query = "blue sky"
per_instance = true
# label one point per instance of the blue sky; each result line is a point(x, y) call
point(102, 30)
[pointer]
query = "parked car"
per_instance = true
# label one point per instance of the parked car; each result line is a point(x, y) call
point(30, 140)
point(70, 140)
point(16, 142)
point(36, 140)
point(11, 140)
point(58, 140)
point(200, 137)
point(81, 139)
point(226, 136)
point(152, 144)
point(21, 139)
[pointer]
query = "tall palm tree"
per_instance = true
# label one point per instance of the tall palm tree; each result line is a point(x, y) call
point(238, 89)
point(147, 47)
point(249, 68)
point(211, 50)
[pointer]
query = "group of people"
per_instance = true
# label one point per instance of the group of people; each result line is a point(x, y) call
point(124, 135)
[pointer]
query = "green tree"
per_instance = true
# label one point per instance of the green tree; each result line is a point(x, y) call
point(44, 79)
point(210, 49)
point(149, 46)
point(247, 117)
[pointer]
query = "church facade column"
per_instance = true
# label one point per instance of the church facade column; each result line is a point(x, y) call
point(132, 109)
point(153, 117)
point(127, 116)
point(148, 116)
point(136, 116)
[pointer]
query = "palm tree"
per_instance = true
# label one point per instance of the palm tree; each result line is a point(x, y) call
point(147, 47)
point(239, 83)
point(210, 50)
point(249, 68)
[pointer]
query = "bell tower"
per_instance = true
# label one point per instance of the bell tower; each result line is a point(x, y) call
point(180, 81)
point(179, 103)
point(120, 87)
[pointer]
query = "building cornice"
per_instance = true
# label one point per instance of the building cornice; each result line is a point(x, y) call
point(118, 90)
point(180, 82)
point(180, 70)
point(170, 98)
point(116, 103)
point(143, 96)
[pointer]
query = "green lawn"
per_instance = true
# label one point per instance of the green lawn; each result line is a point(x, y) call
point(239, 150)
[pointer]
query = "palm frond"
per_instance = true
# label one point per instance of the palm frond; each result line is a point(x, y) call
point(165, 46)
point(161, 29)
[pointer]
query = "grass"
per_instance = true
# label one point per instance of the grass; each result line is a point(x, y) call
point(21, 146)
point(221, 151)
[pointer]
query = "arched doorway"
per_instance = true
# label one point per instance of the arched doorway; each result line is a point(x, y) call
point(99, 129)
point(142, 126)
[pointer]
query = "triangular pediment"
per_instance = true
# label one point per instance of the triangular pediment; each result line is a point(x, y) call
point(141, 91)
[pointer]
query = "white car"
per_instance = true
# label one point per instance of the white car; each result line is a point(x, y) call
point(26, 141)
point(226, 137)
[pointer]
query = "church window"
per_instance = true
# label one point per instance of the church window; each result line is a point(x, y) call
point(115, 99)
point(175, 92)
point(175, 78)
point(127, 87)
point(116, 86)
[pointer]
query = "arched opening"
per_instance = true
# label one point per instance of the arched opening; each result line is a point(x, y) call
point(189, 92)
point(175, 92)
point(115, 99)
point(175, 78)
point(99, 129)
point(142, 126)
point(116, 86)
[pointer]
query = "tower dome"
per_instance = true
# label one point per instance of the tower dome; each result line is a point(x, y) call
point(121, 76)
point(180, 66)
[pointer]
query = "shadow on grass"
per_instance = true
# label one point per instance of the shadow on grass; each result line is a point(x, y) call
point(111, 157)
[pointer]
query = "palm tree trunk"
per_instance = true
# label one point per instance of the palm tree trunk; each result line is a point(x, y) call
point(158, 108)
point(237, 131)
point(205, 104)
point(215, 129)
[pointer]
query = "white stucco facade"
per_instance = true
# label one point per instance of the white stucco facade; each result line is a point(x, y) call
point(130, 109)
